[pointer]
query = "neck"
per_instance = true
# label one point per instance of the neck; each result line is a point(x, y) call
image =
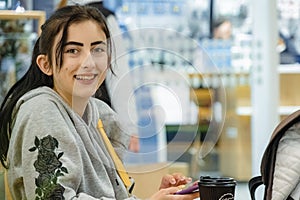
point(79, 106)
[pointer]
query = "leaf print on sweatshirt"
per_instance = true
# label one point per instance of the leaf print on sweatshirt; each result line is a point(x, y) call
point(49, 168)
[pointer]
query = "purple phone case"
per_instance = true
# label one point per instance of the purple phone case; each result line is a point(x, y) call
point(191, 189)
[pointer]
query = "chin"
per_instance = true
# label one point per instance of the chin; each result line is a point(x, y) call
point(84, 94)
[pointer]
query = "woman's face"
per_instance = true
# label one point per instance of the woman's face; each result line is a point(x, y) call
point(84, 62)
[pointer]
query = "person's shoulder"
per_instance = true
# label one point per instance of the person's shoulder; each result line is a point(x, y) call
point(102, 108)
point(38, 100)
point(101, 105)
point(37, 94)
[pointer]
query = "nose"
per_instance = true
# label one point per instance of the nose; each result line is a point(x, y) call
point(88, 61)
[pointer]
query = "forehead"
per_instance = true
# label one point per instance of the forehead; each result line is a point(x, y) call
point(86, 30)
point(83, 31)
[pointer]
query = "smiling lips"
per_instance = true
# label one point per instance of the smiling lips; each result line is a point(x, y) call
point(85, 77)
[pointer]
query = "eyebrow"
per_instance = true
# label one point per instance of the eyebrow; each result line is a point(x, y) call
point(98, 42)
point(81, 44)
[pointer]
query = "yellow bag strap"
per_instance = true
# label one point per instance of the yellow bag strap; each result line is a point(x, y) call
point(7, 191)
point(118, 163)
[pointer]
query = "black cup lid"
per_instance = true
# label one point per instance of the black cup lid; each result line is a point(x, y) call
point(216, 180)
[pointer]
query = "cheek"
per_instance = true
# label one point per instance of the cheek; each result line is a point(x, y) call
point(101, 78)
point(102, 65)
point(65, 71)
point(70, 67)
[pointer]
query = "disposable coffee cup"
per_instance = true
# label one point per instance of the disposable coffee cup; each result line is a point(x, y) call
point(216, 188)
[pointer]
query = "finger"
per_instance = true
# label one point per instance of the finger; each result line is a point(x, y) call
point(167, 181)
point(180, 176)
point(195, 182)
point(181, 179)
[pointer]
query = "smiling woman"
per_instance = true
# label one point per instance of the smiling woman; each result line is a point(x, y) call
point(55, 137)
point(84, 65)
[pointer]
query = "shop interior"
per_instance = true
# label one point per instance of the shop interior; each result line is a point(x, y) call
point(211, 78)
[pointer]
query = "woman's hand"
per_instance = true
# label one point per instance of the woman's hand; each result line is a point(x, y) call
point(173, 180)
point(169, 194)
point(172, 183)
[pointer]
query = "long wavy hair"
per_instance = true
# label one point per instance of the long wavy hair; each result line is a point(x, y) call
point(59, 21)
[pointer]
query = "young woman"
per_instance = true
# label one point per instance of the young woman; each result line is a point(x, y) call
point(52, 141)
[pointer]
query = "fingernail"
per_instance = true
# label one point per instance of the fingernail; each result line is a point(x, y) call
point(173, 181)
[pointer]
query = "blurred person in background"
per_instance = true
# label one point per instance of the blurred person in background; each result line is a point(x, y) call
point(222, 29)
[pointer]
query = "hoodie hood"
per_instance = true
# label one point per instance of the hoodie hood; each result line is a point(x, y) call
point(37, 93)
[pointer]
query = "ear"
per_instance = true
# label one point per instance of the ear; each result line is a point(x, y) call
point(44, 65)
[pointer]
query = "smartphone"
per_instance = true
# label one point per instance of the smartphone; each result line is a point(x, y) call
point(191, 189)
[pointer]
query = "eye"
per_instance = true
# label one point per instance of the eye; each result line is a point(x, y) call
point(71, 51)
point(98, 50)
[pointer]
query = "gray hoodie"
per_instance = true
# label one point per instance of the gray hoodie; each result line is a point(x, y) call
point(54, 152)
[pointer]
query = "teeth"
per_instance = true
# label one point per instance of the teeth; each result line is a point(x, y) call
point(82, 77)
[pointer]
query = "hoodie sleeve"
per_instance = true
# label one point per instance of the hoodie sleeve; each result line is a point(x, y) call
point(43, 152)
point(47, 155)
